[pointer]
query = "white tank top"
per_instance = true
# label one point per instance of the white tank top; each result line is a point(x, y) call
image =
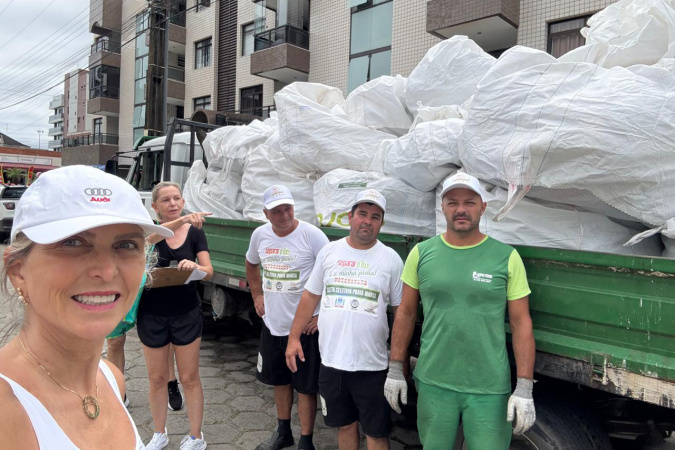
point(49, 434)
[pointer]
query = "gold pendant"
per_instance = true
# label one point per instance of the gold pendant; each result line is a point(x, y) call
point(91, 401)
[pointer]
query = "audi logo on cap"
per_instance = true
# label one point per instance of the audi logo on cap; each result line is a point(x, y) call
point(98, 191)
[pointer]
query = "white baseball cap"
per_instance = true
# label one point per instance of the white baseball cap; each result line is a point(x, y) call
point(277, 195)
point(371, 196)
point(68, 200)
point(464, 181)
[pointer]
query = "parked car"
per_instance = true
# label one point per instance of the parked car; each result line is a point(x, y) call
point(9, 197)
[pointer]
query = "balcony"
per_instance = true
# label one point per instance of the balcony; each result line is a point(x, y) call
point(55, 131)
point(104, 101)
point(281, 54)
point(104, 16)
point(54, 144)
point(90, 139)
point(105, 50)
point(492, 24)
point(57, 102)
point(91, 149)
point(177, 74)
point(56, 118)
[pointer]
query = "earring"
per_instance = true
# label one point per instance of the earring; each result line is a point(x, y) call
point(22, 299)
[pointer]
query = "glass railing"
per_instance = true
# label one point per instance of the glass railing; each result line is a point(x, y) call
point(55, 117)
point(105, 45)
point(104, 91)
point(57, 102)
point(91, 139)
point(261, 111)
point(55, 131)
point(285, 34)
point(177, 74)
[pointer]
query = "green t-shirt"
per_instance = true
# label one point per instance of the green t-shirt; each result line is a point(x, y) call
point(463, 291)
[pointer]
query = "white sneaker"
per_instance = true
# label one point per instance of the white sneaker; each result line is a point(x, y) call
point(192, 443)
point(158, 441)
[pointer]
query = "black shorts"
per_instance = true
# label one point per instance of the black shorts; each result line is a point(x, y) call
point(158, 331)
point(272, 368)
point(347, 397)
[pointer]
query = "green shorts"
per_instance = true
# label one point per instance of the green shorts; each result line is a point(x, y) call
point(483, 417)
point(129, 321)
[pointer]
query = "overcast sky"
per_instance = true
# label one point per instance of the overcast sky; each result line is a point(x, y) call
point(40, 41)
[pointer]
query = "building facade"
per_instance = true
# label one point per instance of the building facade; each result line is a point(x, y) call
point(56, 122)
point(233, 55)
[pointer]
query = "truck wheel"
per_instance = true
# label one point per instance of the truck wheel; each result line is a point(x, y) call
point(559, 426)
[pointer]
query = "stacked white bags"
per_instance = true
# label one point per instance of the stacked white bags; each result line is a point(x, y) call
point(576, 153)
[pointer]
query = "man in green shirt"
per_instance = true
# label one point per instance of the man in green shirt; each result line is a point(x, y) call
point(465, 281)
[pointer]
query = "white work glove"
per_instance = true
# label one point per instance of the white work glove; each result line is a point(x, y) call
point(396, 385)
point(521, 406)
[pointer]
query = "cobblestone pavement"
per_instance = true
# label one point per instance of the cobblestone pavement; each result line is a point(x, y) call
point(239, 411)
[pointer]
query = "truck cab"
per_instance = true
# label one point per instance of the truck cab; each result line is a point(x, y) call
point(147, 168)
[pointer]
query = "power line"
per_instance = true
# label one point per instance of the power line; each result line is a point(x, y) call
point(157, 26)
point(57, 70)
point(3, 9)
point(27, 25)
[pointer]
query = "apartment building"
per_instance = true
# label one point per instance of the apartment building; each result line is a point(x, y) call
point(56, 129)
point(233, 55)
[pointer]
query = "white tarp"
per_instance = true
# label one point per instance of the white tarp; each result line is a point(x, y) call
point(197, 195)
point(610, 132)
point(426, 155)
point(448, 74)
point(315, 134)
point(265, 167)
point(409, 211)
point(431, 113)
point(228, 147)
point(554, 225)
point(380, 104)
point(628, 32)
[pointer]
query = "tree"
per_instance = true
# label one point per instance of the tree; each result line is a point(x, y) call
point(15, 174)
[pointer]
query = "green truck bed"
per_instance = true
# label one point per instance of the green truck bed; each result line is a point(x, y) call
point(601, 320)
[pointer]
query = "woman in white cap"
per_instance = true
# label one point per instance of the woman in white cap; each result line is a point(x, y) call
point(76, 261)
point(173, 315)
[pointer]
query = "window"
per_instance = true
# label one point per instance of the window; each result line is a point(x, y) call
point(370, 49)
point(251, 100)
point(247, 39)
point(202, 103)
point(142, 21)
point(104, 81)
point(566, 35)
point(203, 53)
point(98, 126)
point(201, 4)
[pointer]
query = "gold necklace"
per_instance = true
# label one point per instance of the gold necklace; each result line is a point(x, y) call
point(87, 401)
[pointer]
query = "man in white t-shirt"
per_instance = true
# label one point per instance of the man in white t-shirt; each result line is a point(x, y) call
point(354, 279)
point(287, 249)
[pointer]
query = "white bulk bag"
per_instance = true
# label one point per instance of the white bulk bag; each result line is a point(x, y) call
point(197, 195)
point(610, 132)
point(539, 223)
point(409, 211)
point(380, 104)
point(227, 147)
point(319, 138)
point(225, 189)
point(431, 113)
point(448, 74)
point(265, 167)
point(628, 32)
point(426, 155)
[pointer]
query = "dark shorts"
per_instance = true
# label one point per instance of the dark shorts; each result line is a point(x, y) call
point(347, 397)
point(272, 368)
point(158, 331)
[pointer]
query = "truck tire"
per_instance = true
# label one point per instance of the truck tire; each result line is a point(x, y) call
point(559, 426)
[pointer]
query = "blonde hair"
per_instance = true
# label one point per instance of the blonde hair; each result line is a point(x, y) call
point(158, 187)
point(162, 185)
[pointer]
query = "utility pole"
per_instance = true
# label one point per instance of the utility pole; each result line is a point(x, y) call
point(39, 134)
point(157, 62)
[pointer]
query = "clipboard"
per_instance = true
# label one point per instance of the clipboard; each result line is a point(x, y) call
point(169, 276)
